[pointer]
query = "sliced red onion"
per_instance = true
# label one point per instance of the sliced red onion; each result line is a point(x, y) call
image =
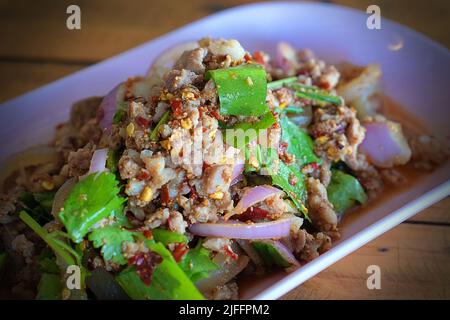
point(253, 196)
point(108, 106)
point(263, 230)
point(286, 58)
point(284, 252)
point(98, 161)
point(385, 144)
point(236, 176)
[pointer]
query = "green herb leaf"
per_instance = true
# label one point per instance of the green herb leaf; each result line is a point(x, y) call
point(122, 109)
point(165, 236)
point(59, 247)
point(197, 263)
point(39, 205)
point(289, 178)
point(299, 142)
point(314, 93)
point(344, 190)
point(281, 83)
point(92, 199)
point(164, 119)
point(49, 287)
point(110, 239)
point(168, 281)
point(47, 262)
point(270, 254)
point(112, 160)
point(242, 90)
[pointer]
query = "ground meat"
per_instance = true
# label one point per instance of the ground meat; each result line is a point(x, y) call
point(392, 177)
point(314, 246)
point(177, 79)
point(154, 220)
point(83, 111)
point(217, 179)
point(274, 205)
point(24, 247)
point(228, 291)
point(176, 222)
point(428, 152)
point(130, 164)
point(320, 209)
point(79, 161)
point(337, 133)
point(192, 60)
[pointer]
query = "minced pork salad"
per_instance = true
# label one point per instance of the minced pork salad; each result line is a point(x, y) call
point(219, 164)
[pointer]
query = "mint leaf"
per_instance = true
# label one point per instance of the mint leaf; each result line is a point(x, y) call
point(344, 190)
point(197, 263)
point(110, 240)
point(299, 142)
point(92, 199)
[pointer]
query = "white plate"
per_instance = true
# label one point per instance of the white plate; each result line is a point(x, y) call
point(416, 76)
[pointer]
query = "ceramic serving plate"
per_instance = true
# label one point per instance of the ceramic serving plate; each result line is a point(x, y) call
point(416, 75)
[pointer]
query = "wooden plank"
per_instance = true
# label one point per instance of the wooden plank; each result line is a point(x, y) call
point(19, 78)
point(438, 213)
point(414, 262)
point(38, 30)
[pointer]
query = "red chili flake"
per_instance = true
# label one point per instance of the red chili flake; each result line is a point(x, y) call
point(155, 99)
point(165, 196)
point(253, 214)
point(143, 175)
point(148, 234)
point(282, 148)
point(229, 252)
point(142, 122)
point(177, 107)
point(247, 57)
point(259, 57)
point(204, 130)
point(205, 166)
point(314, 165)
point(180, 251)
point(215, 114)
point(324, 85)
point(145, 263)
point(200, 112)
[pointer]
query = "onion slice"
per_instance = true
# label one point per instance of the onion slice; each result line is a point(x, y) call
point(108, 106)
point(236, 176)
point(98, 161)
point(236, 230)
point(253, 196)
point(61, 196)
point(385, 144)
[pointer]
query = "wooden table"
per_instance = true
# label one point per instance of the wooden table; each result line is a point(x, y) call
point(36, 48)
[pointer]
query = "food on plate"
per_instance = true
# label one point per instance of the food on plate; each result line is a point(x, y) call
point(220, 163)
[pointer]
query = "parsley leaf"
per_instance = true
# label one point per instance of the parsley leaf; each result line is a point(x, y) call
point(92, 199)
point(344, 190)
point(197, 263)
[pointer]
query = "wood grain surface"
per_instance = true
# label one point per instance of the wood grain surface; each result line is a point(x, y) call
point(36, 48)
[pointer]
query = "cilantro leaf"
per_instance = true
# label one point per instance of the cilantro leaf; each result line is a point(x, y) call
point(344, 190)
point(110, 239)
point(197, 263)
point(165, 236)
point(168, 281)
point(92, 199)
